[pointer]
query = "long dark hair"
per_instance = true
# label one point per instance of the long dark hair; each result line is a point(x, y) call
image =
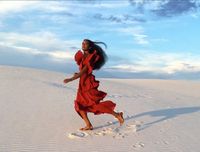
point(103, 57)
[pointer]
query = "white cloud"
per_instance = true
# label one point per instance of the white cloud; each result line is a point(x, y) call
point(154, 5)
point(148, 4)
point(42, 43)
point(56, 55)
point(99, 4)
point(167, 63)
point(115, 5)
point(50, 11)
point(41, 40)
point(53, 6)
point(61, 55)
point(182, 66)
point(137, 32)
point(141, 38)
point(19, 6)
point(55, 11)
point(131, 68)
point(15, 6)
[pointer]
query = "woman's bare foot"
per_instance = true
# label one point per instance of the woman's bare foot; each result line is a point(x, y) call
point(120, 118)
point(87, 128)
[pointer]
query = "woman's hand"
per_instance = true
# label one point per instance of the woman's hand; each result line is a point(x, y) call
point(67, 80)
point(75, 74)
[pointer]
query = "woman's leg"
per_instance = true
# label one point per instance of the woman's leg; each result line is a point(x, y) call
point(107, 107)
point(108, 110)
point(119, 116)
point(87, 121)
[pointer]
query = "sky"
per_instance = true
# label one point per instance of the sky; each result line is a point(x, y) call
point(145, 38)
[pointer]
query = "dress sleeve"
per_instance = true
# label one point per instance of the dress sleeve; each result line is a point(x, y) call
point(91, 60)
point(78, 57)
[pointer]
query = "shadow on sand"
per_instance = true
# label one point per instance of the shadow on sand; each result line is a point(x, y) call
point(165, 114)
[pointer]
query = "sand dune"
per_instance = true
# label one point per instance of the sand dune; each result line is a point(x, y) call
point(37, 114)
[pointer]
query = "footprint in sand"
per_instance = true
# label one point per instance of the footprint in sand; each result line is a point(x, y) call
point(138, 145)
point(75, 135)
point(115, 96)
point(103, 132)
point(123, 131)
point(119, 132)
point(116, 132)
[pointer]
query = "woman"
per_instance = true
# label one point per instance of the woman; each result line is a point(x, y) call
point(88, 96)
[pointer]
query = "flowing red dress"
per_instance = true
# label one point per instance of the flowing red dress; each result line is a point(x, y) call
point(88, 97)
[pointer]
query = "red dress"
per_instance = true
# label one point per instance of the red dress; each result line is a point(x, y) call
point(88, 96)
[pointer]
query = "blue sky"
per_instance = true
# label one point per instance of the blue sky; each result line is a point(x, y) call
point(145, 38)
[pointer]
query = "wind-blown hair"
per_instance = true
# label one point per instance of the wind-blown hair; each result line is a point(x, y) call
point(103, 57)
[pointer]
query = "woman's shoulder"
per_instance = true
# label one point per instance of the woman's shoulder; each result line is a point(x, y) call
point(78, 56)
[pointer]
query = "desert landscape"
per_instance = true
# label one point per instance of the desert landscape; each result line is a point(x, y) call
point(37, 114)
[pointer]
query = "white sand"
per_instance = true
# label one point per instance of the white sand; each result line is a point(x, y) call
point(37, 114)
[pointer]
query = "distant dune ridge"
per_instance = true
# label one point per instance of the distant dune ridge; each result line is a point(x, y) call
point(37, 114)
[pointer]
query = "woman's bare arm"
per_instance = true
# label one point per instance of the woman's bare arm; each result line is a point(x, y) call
point(77, 75)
